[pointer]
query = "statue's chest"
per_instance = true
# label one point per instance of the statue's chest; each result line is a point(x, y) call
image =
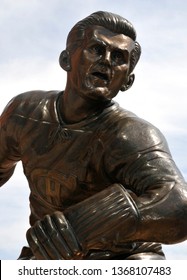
point(64, 171)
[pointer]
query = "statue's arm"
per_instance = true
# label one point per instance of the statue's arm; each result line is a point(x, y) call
point(9, 147)
point(143, 164)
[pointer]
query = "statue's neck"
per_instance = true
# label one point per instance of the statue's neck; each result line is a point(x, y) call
point(74, 108)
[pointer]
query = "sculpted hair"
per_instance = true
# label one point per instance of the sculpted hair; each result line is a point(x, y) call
point(112, 22)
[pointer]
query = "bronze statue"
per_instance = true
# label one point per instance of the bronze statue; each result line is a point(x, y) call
point(103, 184)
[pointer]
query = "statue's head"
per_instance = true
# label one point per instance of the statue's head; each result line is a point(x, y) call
point(110, 21)
point(109, 26)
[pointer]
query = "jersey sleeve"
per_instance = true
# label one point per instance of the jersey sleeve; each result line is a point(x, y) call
point(9, 144)
point(139, 159)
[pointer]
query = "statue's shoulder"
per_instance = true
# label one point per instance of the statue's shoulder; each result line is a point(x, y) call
point(31, 98)
point(33, 104)
point(134, 132)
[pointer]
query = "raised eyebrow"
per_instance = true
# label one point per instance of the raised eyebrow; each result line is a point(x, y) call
point(121, 50)
point(97, 41)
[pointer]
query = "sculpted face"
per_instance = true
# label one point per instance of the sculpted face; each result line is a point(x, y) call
point(100, 66)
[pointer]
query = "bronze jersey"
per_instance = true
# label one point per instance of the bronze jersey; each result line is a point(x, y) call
point(66, 163)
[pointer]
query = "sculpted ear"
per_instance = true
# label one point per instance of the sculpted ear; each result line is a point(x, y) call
point(129, 82)
point(64, 60)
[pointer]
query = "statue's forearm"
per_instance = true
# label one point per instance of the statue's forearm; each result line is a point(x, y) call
point(165, 221)
point(111, 217)
point(103, 219)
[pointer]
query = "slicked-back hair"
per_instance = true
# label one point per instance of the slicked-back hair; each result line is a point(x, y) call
point(110, 21)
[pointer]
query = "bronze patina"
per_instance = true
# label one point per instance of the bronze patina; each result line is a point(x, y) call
point(103, 184)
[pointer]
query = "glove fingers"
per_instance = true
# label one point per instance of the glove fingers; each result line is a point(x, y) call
point(41, 243)
point(66, 232)
point(53, 238)
point(37, 247)
point(57, 238)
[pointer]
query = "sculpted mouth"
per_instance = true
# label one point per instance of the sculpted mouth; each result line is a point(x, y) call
point(101, 76)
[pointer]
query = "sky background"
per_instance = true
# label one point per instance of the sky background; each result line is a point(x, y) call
point(33, 33)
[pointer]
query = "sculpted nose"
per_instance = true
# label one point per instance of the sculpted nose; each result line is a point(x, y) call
point(107, 57)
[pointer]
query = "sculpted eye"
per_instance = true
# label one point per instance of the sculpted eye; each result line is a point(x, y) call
point(118, 57)
point(97, 49)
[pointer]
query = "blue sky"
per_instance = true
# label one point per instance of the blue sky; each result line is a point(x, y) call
point(33, 34)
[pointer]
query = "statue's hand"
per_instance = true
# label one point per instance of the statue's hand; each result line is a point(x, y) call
point(53, 239)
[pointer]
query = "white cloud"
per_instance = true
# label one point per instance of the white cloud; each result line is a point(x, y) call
point(14, 218)
point(175, 252)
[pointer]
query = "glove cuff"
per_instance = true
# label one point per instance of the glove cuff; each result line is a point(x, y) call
point(108, 217)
